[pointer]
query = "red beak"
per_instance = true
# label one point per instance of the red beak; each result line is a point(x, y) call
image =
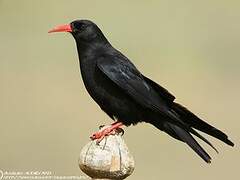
point(62, 28)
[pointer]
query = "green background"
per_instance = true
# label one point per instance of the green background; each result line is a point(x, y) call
point(190, 47)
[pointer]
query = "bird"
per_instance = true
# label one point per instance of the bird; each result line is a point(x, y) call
point(127, 96)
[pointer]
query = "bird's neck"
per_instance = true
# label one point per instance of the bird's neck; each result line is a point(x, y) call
point(88, 49)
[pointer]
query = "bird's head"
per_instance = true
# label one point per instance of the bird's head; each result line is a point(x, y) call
point(82, 30)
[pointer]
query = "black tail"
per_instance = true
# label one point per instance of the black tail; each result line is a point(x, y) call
point(193, 121)
point(182, 131)
point(183, 135)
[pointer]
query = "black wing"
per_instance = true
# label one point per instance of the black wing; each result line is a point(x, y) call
point(124, 74)
point(164, 93)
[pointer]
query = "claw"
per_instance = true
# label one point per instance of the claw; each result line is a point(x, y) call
point(120, 131)
point(101, 126)
point(106, 131)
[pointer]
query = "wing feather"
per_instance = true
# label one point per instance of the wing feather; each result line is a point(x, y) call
point(128, 78)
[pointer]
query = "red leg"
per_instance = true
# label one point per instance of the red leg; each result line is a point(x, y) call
point(106, 131)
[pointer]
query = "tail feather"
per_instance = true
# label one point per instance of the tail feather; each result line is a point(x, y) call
point(203, 138)
point(186, 137)
point(168, 128)
point(192, 120)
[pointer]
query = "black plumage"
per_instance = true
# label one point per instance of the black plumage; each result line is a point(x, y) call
point(125, 94)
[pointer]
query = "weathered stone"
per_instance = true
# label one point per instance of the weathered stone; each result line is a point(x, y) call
point(110, 159)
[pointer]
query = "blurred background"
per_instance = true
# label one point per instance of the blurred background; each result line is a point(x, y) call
point(190, 47)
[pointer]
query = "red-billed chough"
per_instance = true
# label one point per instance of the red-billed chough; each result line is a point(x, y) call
point(128, 96)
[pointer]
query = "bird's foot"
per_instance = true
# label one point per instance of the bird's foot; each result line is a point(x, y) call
point(107, 130)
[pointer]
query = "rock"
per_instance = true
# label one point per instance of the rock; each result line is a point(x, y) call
point(110, 159)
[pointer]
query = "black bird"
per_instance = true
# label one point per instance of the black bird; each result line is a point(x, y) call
point(128, 96)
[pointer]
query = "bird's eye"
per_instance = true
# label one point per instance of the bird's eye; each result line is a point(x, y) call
point(80, 26)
